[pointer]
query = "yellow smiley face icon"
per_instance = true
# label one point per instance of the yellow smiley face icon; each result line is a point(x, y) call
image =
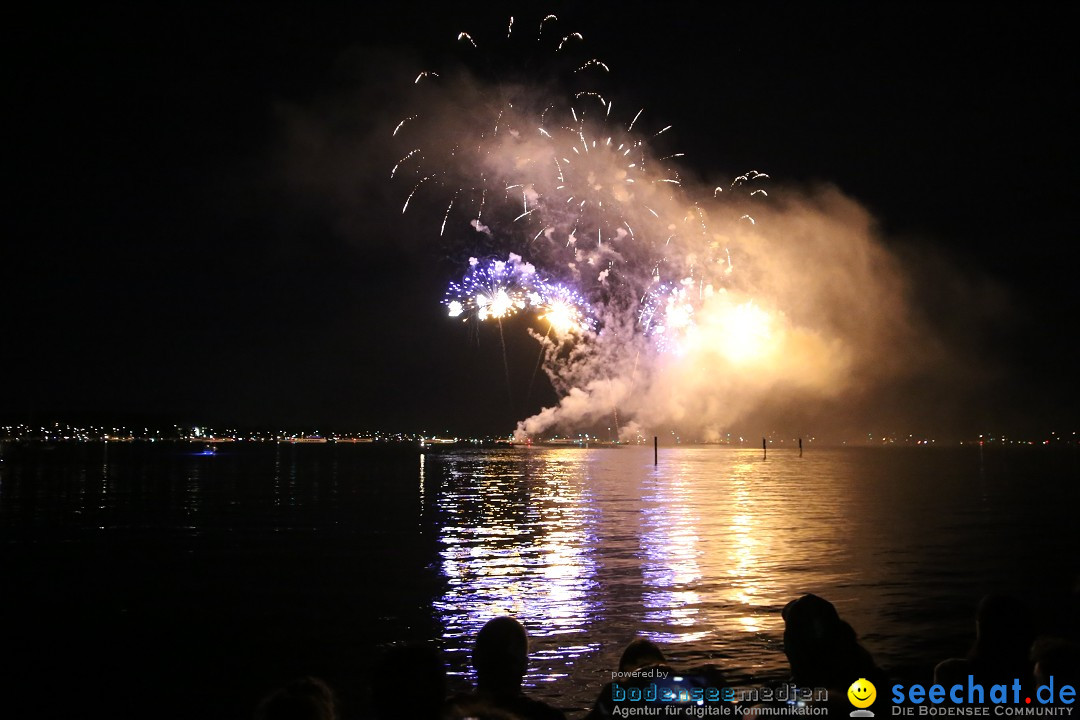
point(862, 693)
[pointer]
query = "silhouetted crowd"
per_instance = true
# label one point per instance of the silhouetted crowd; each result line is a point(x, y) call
point(822, 650)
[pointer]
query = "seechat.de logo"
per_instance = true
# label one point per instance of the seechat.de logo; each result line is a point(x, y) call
point(974, 699)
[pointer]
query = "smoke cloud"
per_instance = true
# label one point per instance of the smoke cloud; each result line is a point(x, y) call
point(816, 308)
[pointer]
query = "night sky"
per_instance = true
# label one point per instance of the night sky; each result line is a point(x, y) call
point(200, 226)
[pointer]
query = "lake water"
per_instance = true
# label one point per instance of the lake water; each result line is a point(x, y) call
point(142, 578)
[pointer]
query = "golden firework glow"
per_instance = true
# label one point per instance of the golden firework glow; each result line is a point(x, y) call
point(746, 333)
point(563, 318)
point(500, 306)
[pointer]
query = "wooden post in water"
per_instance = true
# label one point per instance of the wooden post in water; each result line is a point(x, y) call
point(655, 452)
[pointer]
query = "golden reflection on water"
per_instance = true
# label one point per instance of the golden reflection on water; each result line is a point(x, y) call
point(423, 492)
point(670, 571)
point(589, 548)
point(745, 555)
point(516, 540)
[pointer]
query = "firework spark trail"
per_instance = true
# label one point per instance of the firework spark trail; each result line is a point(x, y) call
point(556, 156)
point(539, 362)
point(506, 366)
point(627, 263)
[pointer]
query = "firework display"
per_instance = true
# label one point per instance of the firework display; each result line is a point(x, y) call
point(571, 210)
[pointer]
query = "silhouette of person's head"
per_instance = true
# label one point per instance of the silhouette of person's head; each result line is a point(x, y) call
point(307, 698)
point(1056, 658)
point(424, 666)
point(501, 656)
point(640, 653)
point(952, 671)
point(478, 711)
point(821, 648)
point(1003, 627)
point(1004, 632)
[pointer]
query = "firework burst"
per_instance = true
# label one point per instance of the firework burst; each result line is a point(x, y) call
point(499, 289)
point(565, 310)
point(491, 290)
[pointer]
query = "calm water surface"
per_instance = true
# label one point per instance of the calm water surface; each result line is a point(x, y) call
point(141, 575)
